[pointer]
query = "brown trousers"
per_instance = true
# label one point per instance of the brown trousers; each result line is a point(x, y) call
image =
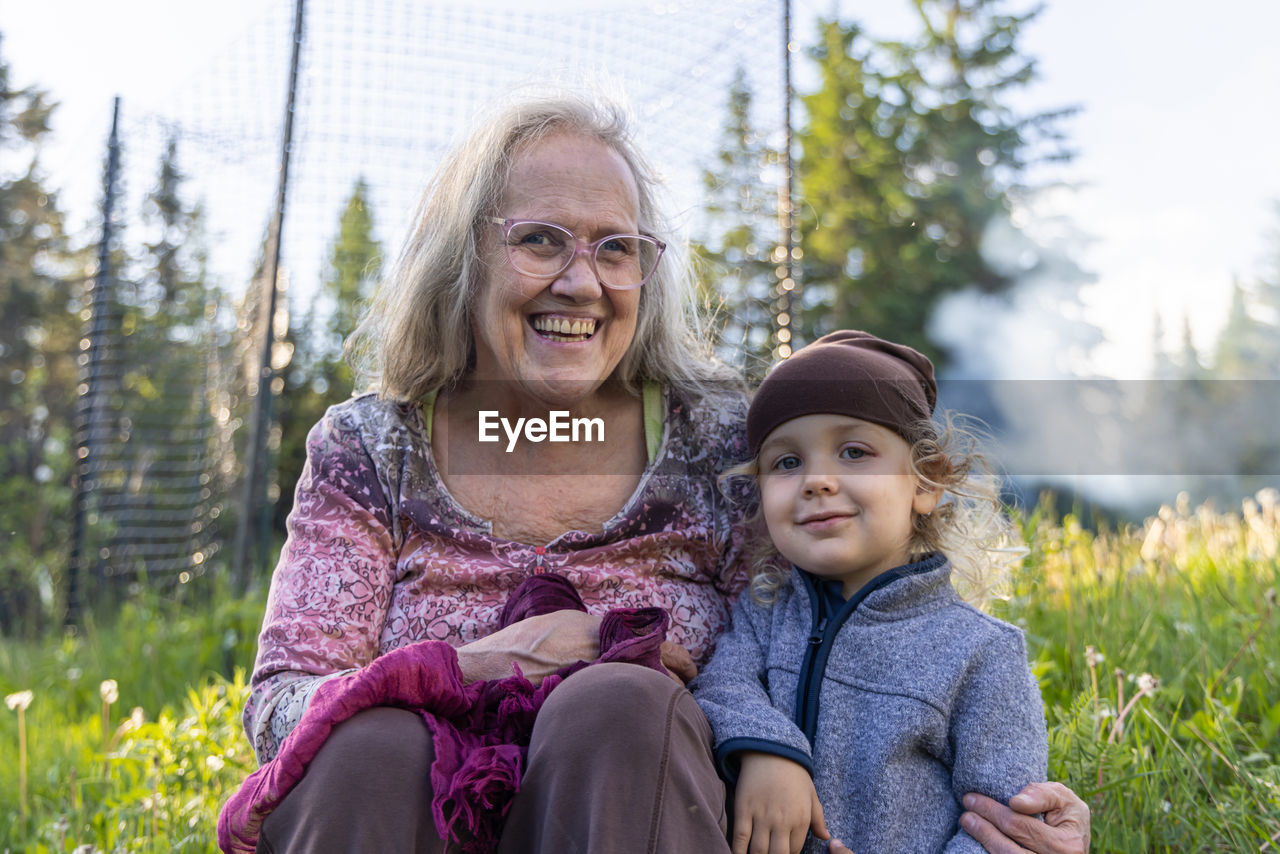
point(620, 761)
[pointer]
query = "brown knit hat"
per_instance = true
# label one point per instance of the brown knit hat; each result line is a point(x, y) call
point(847, 373)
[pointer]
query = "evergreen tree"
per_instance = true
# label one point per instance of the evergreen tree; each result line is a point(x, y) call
point(1188, 358)
point(1163, 367)
point(1247, 363)
point(1249, 344)
point(911, 155)
point(318, 376)
point(161, 523)
point(41, 282)
point(736, 265)
point(354, 264)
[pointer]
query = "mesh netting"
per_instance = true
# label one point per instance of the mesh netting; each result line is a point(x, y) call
point(384, 89)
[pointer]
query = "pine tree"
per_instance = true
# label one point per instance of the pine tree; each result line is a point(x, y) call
point(1163, 367)
point(910, 156)
point(1249, 343)
point(163, 517)
point(354, 264)
point(1247, 365)
point(318, 376)
point(41, 286)
point(736, 265)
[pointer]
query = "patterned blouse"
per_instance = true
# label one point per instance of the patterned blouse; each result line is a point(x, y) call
point(379, 555)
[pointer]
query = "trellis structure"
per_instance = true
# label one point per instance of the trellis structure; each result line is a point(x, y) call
point(383, 91)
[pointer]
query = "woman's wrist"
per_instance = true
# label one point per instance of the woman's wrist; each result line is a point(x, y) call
point(477, 665)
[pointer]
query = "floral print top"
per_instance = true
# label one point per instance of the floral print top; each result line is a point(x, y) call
point(379, 555)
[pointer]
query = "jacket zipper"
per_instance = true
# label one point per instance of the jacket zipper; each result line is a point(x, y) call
point(814, 665)
point(807, 688)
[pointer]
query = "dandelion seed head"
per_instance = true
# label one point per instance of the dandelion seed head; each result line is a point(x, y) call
point(1148, 683)
point(214, 762)
point(137, 717)
point(1092, 656)
point(73, 674)
point(19, 701)
point(109, 691)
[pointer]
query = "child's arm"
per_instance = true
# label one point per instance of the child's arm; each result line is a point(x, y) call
point(997, 729)
point(774, 806)
point(758, 748)
point(731, 691)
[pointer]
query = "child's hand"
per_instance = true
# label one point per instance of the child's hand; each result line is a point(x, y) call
point(775, 806)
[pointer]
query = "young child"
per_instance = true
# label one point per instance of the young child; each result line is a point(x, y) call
point(858, 687)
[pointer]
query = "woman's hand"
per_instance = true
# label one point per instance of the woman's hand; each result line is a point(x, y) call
point(679, 662)
point(774, 806)
point(541, 645)
point(1014, 829)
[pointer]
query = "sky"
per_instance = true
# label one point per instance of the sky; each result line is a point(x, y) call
point(1170, 194)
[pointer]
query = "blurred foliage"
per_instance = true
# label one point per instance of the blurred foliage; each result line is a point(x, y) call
point(41, 292)
point(911, 152)
point(1249, 344)
point(157, 497)
point(737, 266)
point(318, 376)
point(149, 771)
point(1225, 403)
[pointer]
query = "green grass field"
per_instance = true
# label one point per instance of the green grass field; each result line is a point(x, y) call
point(1155, 648)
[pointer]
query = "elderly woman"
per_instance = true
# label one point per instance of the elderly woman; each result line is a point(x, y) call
point(536, 286)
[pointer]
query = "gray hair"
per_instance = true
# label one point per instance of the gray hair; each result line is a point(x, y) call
point(417, 337)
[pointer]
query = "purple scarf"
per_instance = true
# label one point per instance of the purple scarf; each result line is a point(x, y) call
point(480, 731)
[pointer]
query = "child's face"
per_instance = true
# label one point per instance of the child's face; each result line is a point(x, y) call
point(838, 496)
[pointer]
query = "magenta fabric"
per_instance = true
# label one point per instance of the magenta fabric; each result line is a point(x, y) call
point(480, 730)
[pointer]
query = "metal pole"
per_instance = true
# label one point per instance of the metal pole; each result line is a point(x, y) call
point(89, 431)
point(255, 467)
point(786, 192)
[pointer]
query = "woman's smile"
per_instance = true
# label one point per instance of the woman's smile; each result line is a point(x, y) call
point(556, 339)
point(562, 328)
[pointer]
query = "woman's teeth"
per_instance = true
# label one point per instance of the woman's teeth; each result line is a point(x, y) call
point(564, 329)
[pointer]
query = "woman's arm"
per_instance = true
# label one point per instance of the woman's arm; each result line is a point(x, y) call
point(540, 645)
point(332, 587)
point(1015, 829)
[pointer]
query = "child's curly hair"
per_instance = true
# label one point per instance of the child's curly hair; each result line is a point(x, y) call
point(969, 525)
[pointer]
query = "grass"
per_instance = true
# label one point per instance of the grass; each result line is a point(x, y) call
point(1158, 660)
point(1156, 649)
point(149, 770)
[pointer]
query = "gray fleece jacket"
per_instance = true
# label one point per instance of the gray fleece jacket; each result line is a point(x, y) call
point(898, 702)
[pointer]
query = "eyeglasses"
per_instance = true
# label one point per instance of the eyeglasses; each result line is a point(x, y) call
point(620, 261)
